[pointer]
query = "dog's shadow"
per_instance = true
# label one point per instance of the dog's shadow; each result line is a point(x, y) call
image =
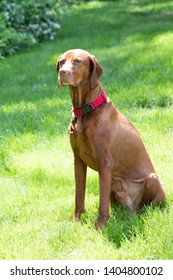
point(122, 226)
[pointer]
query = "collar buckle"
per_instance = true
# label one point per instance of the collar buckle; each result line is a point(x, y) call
point(90, 107)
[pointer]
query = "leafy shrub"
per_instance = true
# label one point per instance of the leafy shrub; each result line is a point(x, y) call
point(26, 22)
point(12, 41)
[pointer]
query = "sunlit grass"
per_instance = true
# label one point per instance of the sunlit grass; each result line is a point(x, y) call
point(133, 42)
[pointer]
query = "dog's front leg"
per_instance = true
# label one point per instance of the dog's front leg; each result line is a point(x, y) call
point(105, 189)
point(80, 179)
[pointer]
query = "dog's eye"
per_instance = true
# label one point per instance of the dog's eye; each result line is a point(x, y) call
point(76, 61)
point(62, 62)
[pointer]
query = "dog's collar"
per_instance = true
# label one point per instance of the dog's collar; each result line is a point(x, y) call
point(89, 107)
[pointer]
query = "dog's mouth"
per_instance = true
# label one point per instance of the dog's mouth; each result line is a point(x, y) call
point(65, 82)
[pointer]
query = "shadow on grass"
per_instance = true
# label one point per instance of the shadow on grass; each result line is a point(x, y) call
point(122, 226)
point(49, 115)
point(115, 21)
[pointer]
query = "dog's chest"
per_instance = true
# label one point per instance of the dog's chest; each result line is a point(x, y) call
point(82, 145)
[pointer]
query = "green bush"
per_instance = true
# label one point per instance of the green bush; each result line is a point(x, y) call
point(12, 41)
point(26, 22)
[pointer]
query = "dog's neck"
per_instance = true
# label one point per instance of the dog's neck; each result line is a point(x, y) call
point(80, 96)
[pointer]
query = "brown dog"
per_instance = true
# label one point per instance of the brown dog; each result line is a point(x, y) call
point(105, 140)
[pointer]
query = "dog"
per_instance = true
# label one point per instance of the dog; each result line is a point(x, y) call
point(104, 139)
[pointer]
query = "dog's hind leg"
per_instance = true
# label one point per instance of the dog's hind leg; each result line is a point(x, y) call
point(153, 191)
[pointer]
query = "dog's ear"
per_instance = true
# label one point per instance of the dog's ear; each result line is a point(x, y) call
point(57, 69)
point(96, 71)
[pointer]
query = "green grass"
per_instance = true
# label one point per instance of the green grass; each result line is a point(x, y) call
point(134, 43)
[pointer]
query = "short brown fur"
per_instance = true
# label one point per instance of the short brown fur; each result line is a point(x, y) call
point(106, 141)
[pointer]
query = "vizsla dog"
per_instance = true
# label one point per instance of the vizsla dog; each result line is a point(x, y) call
point(105, 140)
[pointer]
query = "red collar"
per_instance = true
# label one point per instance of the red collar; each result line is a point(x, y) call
point(89, 107)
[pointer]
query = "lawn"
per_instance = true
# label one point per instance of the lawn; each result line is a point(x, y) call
point(133, 41)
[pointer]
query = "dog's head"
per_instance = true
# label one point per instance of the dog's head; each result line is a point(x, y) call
point(77, 66)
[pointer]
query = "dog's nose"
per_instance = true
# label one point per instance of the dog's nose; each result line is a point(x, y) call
point(62, 71)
